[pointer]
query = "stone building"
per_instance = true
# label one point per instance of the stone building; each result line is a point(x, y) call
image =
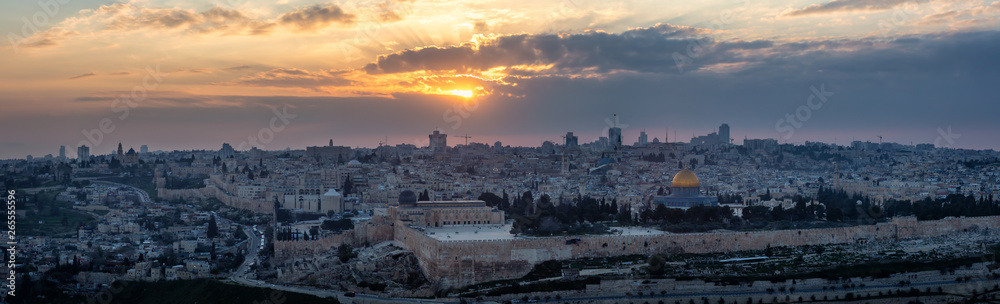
point(444, 213)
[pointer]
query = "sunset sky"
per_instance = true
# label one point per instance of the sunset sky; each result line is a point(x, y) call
point(195, 74)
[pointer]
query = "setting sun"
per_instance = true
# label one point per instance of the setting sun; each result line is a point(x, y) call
point(463, 93)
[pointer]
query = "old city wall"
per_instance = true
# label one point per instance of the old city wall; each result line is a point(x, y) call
point(210, 191)
point(172, 194)
point(460, 263)
point(286, 249)
point(372, 232)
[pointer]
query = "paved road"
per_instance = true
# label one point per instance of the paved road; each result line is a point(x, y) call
point(763, 293)
point(142, 193)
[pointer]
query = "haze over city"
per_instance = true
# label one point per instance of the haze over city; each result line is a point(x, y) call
point(359, 72)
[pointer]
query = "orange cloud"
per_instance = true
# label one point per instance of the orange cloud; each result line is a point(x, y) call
point(316, 16)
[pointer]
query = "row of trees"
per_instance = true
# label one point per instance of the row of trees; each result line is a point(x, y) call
point(587, 215)
point(545, 217)
point(289, 234)
point(953, 205)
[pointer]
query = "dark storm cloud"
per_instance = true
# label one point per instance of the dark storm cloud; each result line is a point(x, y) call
point(633, 49)
point(941, 55)
point(847, 6)
point(668, 49)
point(316, 16)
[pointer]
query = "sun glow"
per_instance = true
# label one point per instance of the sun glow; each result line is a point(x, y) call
point(463, 93)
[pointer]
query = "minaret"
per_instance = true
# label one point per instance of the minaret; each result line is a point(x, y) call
point(120, 152)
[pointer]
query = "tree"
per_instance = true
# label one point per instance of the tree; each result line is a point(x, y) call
point(345, 252)
point(834, 214)
point(656, 264)
point(348, 186)
point(778, 213)
point(756, 213)
point(338, 225)
point(213, 228)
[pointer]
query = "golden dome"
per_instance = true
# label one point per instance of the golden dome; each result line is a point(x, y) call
point(685, 178)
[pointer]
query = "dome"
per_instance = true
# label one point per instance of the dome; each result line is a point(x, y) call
point(407, 197)
point(685, 178)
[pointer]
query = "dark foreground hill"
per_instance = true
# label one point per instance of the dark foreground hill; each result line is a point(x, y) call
point(207, 292)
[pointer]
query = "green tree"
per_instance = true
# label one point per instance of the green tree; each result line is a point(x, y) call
point(348, 186)
point(345, 252)
point(213, 228)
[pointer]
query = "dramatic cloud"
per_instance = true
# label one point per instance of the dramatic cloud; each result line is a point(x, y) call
point(43, 39)
point(386, 12)
point(836, 6)
point(316, 16)
point(481, 27)
point(668, 49)
point(227, 66)
point(131, 17)
point(125, 17)
point(962, 16)
point(650, 48)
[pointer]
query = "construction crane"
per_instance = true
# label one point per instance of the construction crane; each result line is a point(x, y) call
point(466, 138)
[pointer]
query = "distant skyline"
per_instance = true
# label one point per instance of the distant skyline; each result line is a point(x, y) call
point(180, 74)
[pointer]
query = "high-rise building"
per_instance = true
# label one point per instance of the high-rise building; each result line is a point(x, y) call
point(83, 153)
point(62, 152)
point(571, 141)
point(761, 144)
point(439, 141)
point(714, 138)
point(615, 138)
point(227, 151)
point(724, 134)
point(643, 139)
point(601, 143)
point(143, 149)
